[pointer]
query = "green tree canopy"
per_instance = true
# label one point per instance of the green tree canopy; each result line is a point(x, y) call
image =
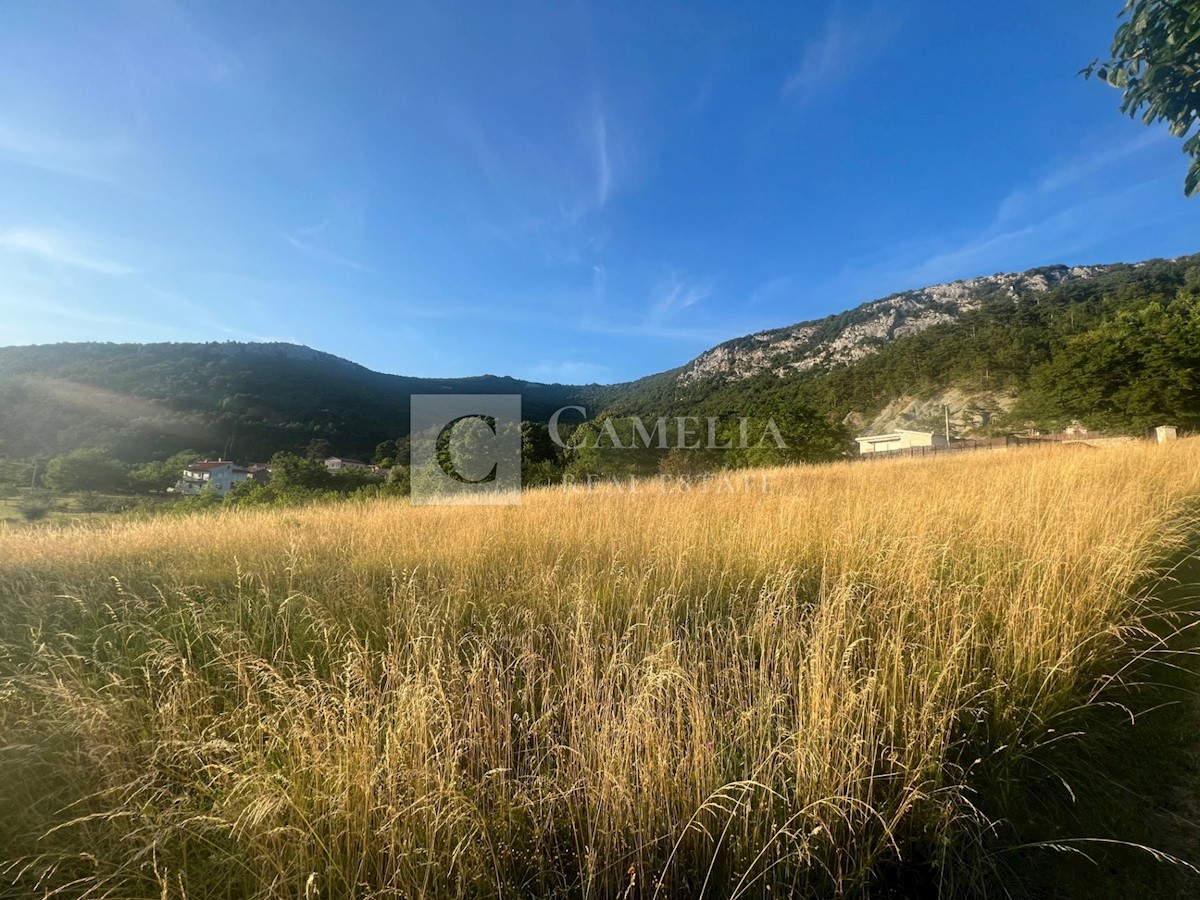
point(160, 475)
point(290, 471)
point(85, 470)
point(1156, 63)
point(1137, 369)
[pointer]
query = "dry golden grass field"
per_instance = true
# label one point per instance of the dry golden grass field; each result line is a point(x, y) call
point(826, 681)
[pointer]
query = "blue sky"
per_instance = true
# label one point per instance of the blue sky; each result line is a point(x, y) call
point(558, 191)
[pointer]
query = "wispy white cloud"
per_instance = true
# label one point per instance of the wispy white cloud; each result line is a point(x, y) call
point(1053, 218)
point(844, 43)
point(314, 229)
point(57, 320)
point(1071, 204)
point(303, 240)
point(90, 157)
point(544, 187)
point(168, 45)
point(599, 280)
point(674, 294)
point(59, 250)
point(204, 313)
point(604, 172)
point(1084, 164)
point(770, 288)
point(977, 254)
point(98, 121)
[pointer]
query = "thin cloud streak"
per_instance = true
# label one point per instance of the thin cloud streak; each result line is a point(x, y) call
point(842, 46)
point(1060, 209)
point(604, 174)
point(599, 280)
point(324, 255)
point(769, 288)
point(1069, 208)
point(204, 313)
point(86, 158)
point(677, 293)
point(1077, 169)
point(546, 189)
point(76, 313)
point(58, 250)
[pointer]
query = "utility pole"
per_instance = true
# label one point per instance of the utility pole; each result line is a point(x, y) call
point(946, 408)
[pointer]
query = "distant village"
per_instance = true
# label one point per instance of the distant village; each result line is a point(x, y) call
point(222, 475)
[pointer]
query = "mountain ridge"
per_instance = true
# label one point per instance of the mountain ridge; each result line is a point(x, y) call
point(979, 336)
point(896, 315)
point(928, 302)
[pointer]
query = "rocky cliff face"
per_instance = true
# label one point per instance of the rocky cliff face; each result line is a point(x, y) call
point(850, 336)
point(969, 413)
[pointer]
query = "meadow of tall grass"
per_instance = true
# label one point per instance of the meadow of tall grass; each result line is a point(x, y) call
point(824, 682)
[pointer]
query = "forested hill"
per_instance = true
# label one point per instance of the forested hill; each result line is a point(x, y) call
point(244, 400)
point(1117, 347)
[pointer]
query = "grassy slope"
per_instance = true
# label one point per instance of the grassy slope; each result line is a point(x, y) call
point(829, 686)
point(1098, 819)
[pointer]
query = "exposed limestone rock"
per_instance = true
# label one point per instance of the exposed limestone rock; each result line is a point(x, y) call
point(837, 340)
point(970, 413)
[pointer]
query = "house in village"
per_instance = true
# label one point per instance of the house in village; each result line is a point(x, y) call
point(900, 439)
point(342, 464)
point(219, 474)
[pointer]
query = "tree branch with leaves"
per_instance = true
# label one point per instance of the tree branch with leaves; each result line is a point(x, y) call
point(1156, 63)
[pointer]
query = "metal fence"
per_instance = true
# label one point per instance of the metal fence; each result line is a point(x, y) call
point(968, 445)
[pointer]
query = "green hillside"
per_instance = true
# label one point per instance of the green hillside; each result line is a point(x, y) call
point(1117, 347)
point(1120, 350)
point(244, 400)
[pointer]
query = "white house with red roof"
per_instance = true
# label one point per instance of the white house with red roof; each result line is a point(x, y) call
point(219, 474)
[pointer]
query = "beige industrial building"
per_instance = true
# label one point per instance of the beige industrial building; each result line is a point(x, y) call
point(900, 439)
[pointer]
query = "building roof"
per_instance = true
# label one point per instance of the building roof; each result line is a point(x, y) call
point(892, 434)
point(345, 459)
point(207, 465)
